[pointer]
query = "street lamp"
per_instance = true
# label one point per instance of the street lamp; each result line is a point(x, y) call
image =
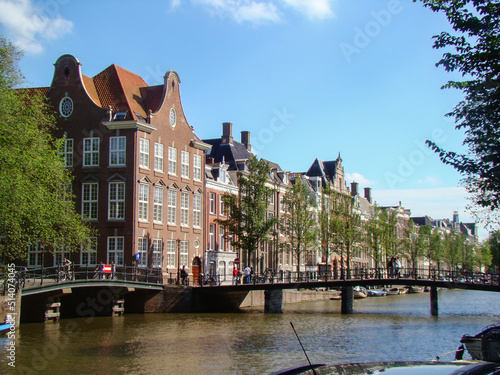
point(341, 258)
point(498, 271)
point(178, 261)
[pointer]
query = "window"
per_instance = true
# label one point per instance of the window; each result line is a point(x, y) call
point(60, 252)
point(197, 210)
point(222, 176)
point(158, 205)
point(172, 160)
point(143, 202)
point(144, 153)
point(271, 197)
point(66, 152)
point(171, 244)
point(197, 167)
point(142, 248)
point(222, 239)
point(117, 150)
point(211, 237)
point(116, 201)
point(212, 203)
point(90, 200)
point(222, 206)
point(157, 252)
point(158, 157)
point(185, 164)
point(91, 152)
point(185, 209)
point(88, 253)
point(35, 255)
point(172, 206)
point(184, 254)
point(115, 250)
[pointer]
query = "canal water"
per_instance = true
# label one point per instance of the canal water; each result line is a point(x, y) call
point(391, 328)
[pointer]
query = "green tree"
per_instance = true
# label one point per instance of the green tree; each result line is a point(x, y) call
point(375, 230)
point(299, 221)
point(35, 203)
point(246, 221)
point(474, 52)
point(412, 246)
point(436, 248)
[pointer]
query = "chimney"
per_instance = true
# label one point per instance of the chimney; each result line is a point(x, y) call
point(245, 140)
point(227, 133)
point(455, 217)
point(368, 194)
point(354, 188)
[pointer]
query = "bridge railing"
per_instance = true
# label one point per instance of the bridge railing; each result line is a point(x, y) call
point(30, 277)
point(283, 276)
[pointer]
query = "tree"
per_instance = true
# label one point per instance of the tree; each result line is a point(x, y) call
point(436, 248)
point(246, 222)
point(374, 232)
point(412, 245)
point(299, 221)
point(35, 203)
point(475, 54)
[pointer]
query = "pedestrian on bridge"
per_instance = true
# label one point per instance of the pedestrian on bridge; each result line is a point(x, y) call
point(247, 271)
point(235, 276)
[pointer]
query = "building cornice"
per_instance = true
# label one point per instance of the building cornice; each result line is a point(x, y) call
point(200, 145)
point(139, 125)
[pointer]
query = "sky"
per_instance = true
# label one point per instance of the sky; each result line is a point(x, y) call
point(308, 78)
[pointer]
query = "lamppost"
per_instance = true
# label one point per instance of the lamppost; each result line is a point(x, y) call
point(341, 258)
point(498, 270)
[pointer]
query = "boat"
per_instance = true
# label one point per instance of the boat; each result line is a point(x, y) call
point(377, 293)
point(485, 346)
point(4, 328)
point(359, 292)
point(397, 368)
point(393, 292)
point(415, 289)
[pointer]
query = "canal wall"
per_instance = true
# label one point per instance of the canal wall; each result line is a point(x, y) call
point(256, 297)
point(10, 305)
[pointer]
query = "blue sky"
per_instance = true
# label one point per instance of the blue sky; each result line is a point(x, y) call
point(308, 78)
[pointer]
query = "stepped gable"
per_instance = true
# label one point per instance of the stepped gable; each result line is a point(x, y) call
point(121, 90)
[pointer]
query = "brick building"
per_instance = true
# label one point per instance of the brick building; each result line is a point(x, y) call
point(138, 167)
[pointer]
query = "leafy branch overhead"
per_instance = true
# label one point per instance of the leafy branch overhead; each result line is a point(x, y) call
point(475, 53)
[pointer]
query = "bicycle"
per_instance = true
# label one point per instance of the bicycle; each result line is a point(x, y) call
point(64, 275)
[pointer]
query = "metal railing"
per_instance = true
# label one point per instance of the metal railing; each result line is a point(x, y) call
point(30, 277)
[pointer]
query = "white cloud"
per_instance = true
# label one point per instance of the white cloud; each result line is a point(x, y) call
point(312, 8)
point(29, 26)
point(359, 178)
point(256, 11)
point(242, 10)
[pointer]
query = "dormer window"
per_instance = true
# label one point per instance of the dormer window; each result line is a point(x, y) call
point(120, 116)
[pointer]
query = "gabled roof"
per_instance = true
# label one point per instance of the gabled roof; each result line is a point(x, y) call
point(229, 153)
point(325, 169)
point(119, 89)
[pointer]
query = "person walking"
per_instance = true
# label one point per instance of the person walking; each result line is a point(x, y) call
point(247, 271)
point(184, 275)
point(235, 276)
point(397, 267)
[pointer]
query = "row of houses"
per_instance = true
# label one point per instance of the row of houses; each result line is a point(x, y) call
point(152, 188)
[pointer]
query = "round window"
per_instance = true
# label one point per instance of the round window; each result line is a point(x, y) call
point(66, 106)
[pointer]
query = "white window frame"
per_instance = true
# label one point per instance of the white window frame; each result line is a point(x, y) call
point(117, 151)
point(91, 152)
point(184, 164)
point(172, 161)
point(171, 250)
point(116, 200)
point(222, 238)
point(90, 200)
point(158, 167)
point(115, 250)
point(142, 248)
point(172, 206)
point(67, 149)
point(197, 210)
point(157, 253)
point(212, 203)
point(144, 153)
point(211, 237)
point(158, 205)
point(222, 206)
point(196, 167)
point(35, 255)
point(88, 252)
point(143, 202)
point(184, 208)
point(184, 253)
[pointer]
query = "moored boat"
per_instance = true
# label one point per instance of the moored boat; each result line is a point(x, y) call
point(393, 292)
point(415, 289)
point(5, 327)
point(377, 293)
point(359, 292)
point(484, 346)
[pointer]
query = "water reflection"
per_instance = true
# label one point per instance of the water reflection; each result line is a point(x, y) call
point(386, 328)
